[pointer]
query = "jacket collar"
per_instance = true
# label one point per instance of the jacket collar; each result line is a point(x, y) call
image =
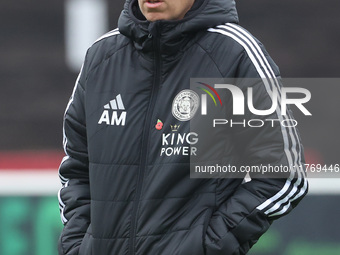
point(174, 35)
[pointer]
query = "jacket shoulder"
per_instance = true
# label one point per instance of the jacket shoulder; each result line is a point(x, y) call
point(220, 42)
point(105, 46)
point(232, 43)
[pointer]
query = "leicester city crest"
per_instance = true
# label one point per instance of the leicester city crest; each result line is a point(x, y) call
point(185, 105)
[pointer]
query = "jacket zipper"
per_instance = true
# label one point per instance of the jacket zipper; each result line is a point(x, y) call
point(145, 140)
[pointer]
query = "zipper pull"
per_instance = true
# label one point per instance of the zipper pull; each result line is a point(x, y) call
point(154, 29)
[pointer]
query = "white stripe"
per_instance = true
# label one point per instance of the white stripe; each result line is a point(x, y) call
point(294, 144)
point(64, 182)
point(63, 219)
point(286, 199)
point(68, 106)
point(272, 74)
point(259, 70)
point(111, 33)
point(62, 178)
point(120, 102)
point(62, 205)
point(303, 190)
point(286, 207)
point(295, 135)
point(59, 198)
point(113, 104)
point(297, 155)
point(262, 75)
point(267, 68)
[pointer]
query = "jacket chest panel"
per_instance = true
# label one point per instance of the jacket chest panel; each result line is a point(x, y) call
point(116, 106)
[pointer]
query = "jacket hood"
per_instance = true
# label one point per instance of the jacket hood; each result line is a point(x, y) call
point(208, 14)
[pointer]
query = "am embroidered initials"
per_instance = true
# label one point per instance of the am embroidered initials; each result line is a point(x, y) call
point(117, 110)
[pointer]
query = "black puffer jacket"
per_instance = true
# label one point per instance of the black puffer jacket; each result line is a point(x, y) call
point(128, 141)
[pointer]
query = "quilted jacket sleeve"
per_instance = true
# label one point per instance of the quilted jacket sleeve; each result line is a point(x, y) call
point(74, 196)
point(240, 221)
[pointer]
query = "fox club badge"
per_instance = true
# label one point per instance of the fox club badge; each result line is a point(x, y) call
point(185, 105)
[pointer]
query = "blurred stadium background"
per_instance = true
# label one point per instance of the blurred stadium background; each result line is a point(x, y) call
point(42, 44)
